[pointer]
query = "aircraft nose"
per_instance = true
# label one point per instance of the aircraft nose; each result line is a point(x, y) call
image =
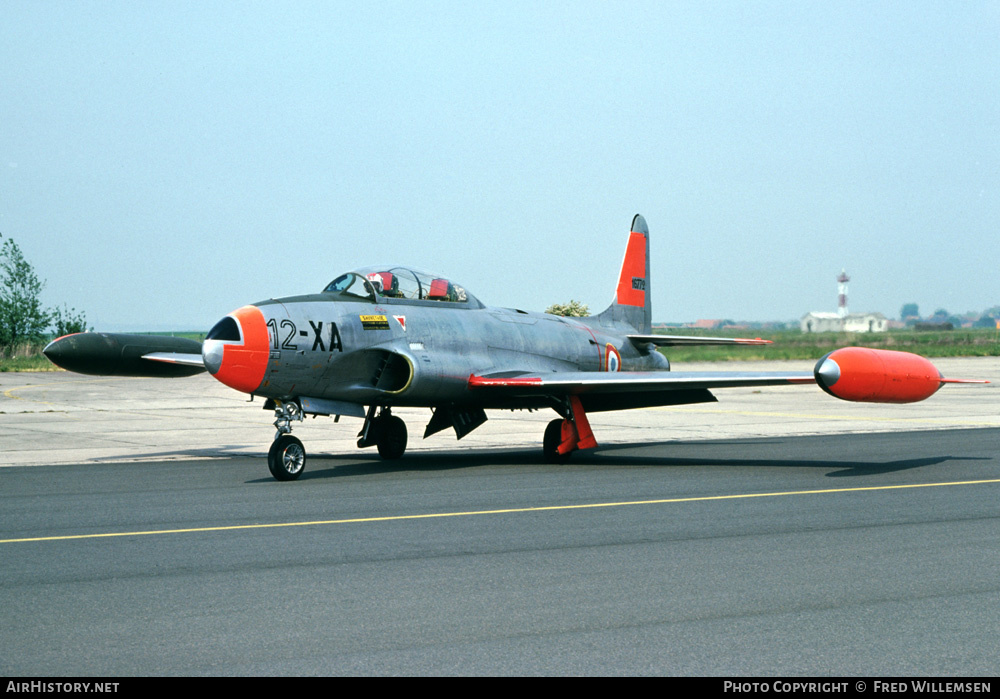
point(225, 332)
point(235, 351)
point(212, 356)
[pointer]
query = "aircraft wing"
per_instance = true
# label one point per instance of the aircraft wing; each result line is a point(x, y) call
point(176, 358)
point(857, 374)
point(621, 390)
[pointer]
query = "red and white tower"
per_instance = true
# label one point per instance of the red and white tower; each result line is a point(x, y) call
point(842, 293)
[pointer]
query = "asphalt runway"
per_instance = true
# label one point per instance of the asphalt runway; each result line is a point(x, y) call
point(856, 554)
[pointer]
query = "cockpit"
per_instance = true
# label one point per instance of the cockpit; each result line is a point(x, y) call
point(380, 284)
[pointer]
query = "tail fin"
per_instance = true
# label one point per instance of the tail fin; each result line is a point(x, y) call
point(632, 300)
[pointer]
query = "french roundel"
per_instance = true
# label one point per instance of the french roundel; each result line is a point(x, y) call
point(612, 360)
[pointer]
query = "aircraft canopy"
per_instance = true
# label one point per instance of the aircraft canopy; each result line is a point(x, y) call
point(405, 283)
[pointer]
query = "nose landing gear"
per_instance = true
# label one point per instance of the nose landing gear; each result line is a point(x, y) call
point(286, 459)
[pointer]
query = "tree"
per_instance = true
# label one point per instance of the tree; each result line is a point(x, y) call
point(941, 315)
point(573, 308)
point(67, 321)
point(909, 310)
point(22, 318)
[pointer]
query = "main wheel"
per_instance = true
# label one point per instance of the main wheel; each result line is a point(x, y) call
point(286, 459)
point(391, 437)
point(551, 442)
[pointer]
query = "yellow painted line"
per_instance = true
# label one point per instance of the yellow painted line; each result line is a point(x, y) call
point(9, 393)
point(512, 510)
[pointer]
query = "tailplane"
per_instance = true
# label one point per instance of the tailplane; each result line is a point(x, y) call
point(632, 304)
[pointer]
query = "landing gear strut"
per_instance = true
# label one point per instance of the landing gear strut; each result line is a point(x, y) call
point(563, 437)
point(551, 442)
point(385, 431)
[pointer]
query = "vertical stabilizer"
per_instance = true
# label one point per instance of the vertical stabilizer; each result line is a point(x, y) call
point(632, 300)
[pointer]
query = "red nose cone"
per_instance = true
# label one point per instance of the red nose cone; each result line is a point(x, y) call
point(240, 360)
point(877, 376)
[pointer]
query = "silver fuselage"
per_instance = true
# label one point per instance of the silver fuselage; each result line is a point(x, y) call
point(420, 353)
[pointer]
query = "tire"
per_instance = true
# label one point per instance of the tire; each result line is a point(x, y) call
point(391, 437)
point(286, 459)
point(551, 442)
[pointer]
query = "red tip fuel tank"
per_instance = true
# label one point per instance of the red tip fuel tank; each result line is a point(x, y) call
point(878, 376)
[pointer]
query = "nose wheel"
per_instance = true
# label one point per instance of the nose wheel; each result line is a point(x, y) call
point(286, 459)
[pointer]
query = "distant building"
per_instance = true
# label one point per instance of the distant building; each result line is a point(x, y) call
point(707, 324)
point(842, 321)
point(819, 322)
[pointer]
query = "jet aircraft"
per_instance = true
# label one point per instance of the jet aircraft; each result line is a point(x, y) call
point(388, 336)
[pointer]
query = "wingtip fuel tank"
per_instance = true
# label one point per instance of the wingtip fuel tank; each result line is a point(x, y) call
point(117, 354)
point(863, 374)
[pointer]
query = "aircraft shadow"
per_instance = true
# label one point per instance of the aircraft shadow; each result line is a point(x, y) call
point(327, 466)
point(840, 467)
point(751, 453)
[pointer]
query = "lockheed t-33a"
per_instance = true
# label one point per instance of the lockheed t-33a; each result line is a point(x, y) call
point(388, 336)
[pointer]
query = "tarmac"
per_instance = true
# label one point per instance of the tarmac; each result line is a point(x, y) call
point(50, 418)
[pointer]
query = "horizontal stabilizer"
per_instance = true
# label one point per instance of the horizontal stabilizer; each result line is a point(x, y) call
point(690, 341)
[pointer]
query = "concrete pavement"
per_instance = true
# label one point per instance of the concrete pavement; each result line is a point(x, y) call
point(63, 418)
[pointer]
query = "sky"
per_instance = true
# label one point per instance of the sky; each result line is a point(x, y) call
point(163, 163)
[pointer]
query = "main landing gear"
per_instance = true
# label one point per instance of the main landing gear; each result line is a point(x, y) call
point(563, 437)
point(385, 431)
point(286, 459)
point(551, 442)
